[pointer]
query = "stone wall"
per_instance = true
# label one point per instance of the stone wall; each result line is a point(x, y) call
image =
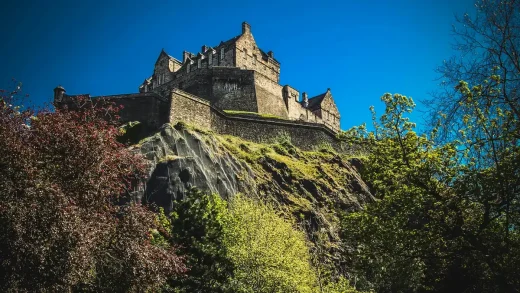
point(198, 112)
point(269, 96)
point(249, 56)
point(234, 89)
point(190, 109)
point(149, 109)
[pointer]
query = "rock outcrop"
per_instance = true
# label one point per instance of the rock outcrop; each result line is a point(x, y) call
point(310, 186)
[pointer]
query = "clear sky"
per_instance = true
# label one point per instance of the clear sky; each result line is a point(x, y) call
point(359, 49)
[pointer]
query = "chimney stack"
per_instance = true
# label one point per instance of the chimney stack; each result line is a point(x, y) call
point(270, 54)
point(305, 100)
point(246, 28)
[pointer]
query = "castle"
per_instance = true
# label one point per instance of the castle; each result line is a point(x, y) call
point(221, 86)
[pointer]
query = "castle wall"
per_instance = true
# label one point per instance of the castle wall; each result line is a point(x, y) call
point(190, 109)
point(196, 82)
point(148, 108)
point(234, 89)
point(198, 112)
point(229, 56)
point(269, 97)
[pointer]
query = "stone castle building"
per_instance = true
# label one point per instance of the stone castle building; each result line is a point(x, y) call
point(216, 86)
point(238, 75)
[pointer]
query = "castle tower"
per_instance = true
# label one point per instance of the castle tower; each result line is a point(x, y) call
point(305, 100)
point(59, 92)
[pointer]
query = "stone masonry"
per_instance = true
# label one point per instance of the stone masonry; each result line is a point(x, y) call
point(238, 75)
point(229, 82)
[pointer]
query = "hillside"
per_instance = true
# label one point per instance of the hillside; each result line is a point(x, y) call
point(309, 186)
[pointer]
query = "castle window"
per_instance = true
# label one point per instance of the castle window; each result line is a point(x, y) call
point(222, 54)
point(254, 59)
point(199, 63)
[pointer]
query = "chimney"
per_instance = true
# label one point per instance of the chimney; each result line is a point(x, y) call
point(305, 100)
point(59, 91)
point(246, 28)
point(270, 54)
point(204, 49)
point(185, 56)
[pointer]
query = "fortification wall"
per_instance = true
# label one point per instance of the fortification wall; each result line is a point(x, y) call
point(269, 97)
point(190, 109)
point(234, 89)
point(152, 110)
point(193, 110)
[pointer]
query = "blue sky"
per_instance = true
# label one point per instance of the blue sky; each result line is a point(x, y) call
point(359, 49)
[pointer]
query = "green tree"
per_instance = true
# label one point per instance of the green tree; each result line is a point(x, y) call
point(268, 253)
point(446, 213)
point(240, 246)
point(198, 223)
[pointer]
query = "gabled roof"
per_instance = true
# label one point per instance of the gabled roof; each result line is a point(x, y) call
point(315, 102)
point(164, 54)
point(228, 42)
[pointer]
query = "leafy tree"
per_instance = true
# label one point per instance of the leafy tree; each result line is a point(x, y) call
point(268, 253)
point(447, 213)
point(61, 175)
point(240, 246)
point(486, 38)
point(198, 224)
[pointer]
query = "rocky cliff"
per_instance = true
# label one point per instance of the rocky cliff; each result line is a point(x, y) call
point(310, 186)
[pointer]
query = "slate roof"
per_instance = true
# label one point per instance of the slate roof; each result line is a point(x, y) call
point(228, 42)
point(315, 102)
point(163, 53)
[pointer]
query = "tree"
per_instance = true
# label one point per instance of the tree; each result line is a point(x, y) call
point(61, 175)
point(269, 255)
point(198, 222)
point(446, 213)
point(240, 246)
point(487, 41)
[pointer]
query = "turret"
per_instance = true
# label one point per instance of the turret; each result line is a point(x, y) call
point(305, 100)
point(59, 92)
point(185, 56)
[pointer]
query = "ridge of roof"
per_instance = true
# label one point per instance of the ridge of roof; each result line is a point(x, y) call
point(315, 101)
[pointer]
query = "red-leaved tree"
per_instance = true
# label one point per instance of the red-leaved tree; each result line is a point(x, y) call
point(61, 229)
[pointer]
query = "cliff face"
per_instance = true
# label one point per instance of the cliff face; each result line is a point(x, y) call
point(310, 186)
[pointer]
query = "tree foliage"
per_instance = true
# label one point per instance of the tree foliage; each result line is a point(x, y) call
point(269, 255)
point(447, 214)
point(485, 40)
point(241, 246)
point(61, 175)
